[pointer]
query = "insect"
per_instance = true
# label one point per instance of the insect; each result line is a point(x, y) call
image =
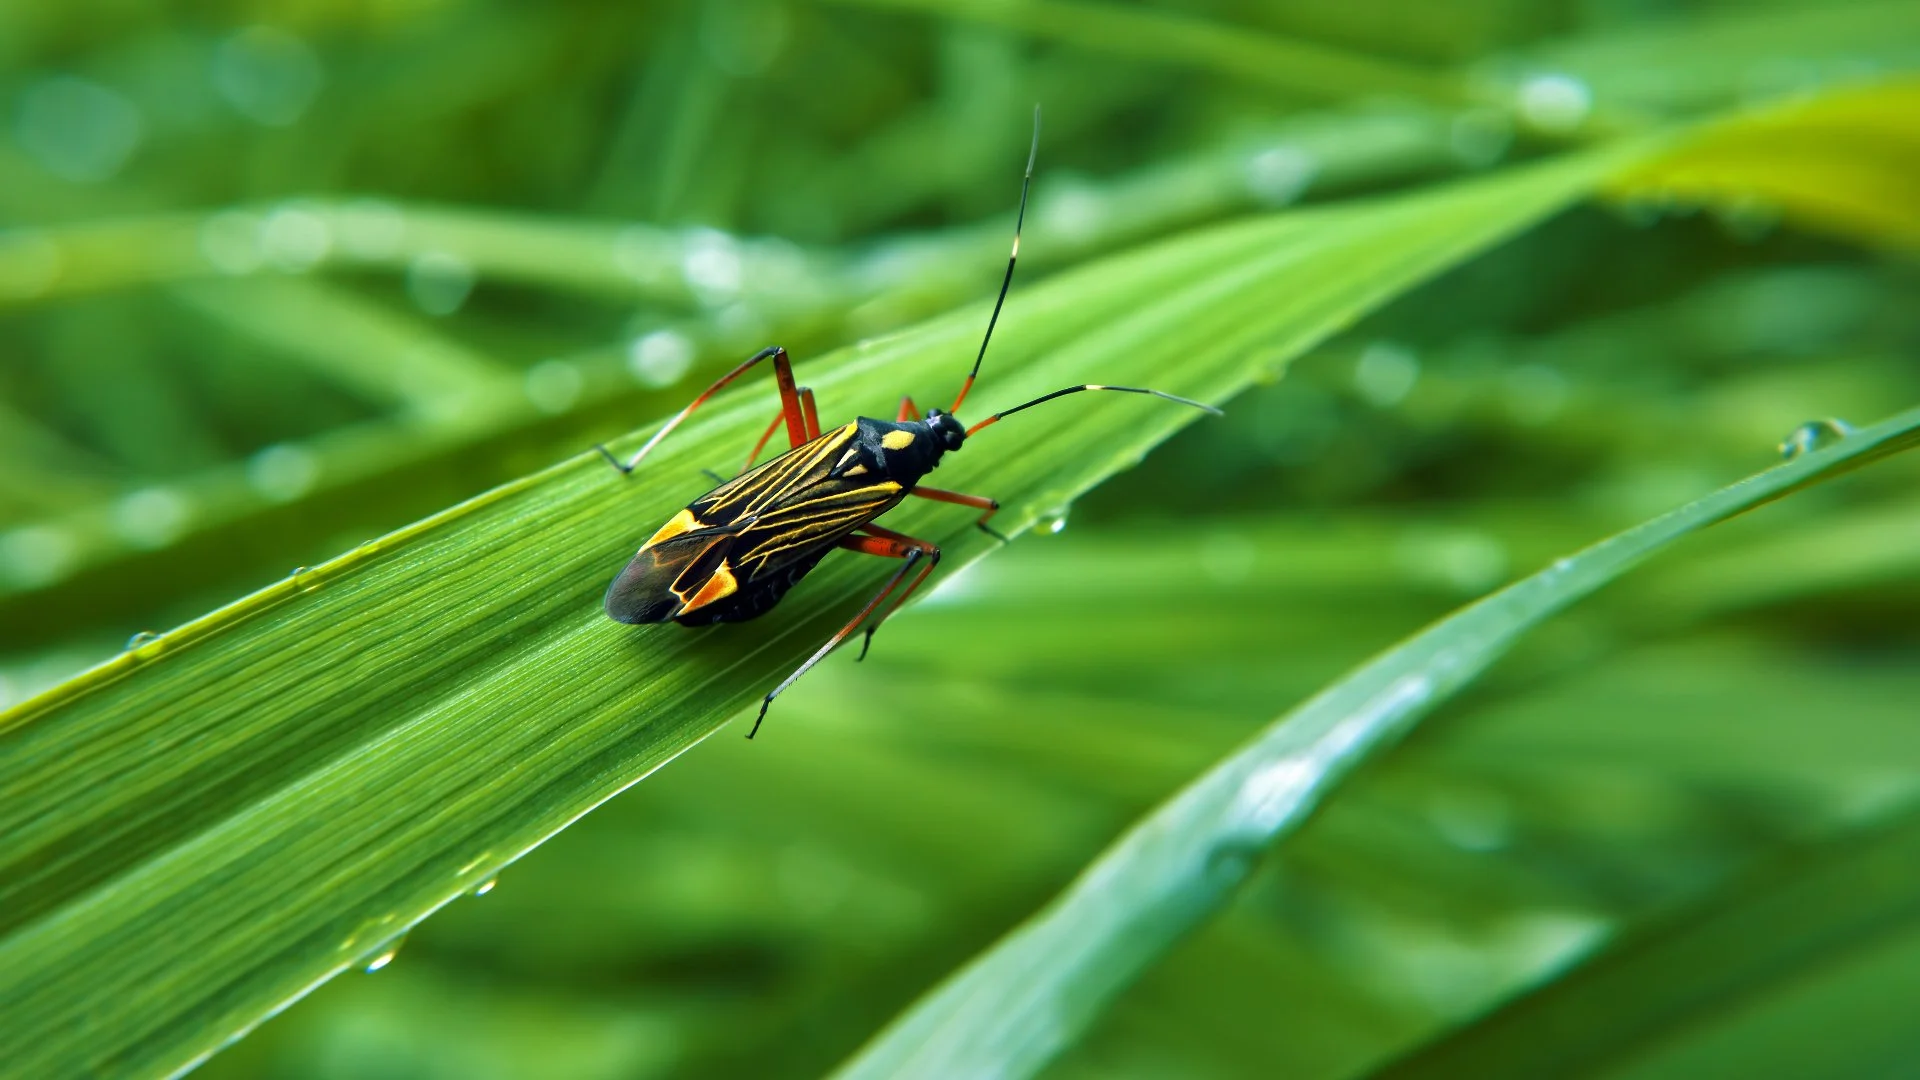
point(735, 551)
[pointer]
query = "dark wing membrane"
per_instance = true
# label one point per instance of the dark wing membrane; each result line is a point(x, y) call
point(795, 506)
point(754, 492)
point(656, 584)
point(799, 526)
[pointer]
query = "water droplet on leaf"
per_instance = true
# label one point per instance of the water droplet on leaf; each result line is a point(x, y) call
point(1814, 435)
point(486, 886)
point(439, 282)
point(1055, 520)
point(384, 955)
point(1555, 102)
point(1229, 863)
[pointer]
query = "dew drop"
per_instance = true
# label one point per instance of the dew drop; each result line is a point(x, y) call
point(283, 472)
point(1555, 102)
point(553, 386)
point(151, 518)
point(267, 75)
point(439, 282)
point(1055, 520)
point(1229, 863)
point(486, 886)
point(1075, 210)
point(141, 638)
point(1385, 373)
point(77, 129)
point(659, 359)
point(712, 266)
point(301, 579)
point(294, 237)
point(1814, 435)
point(36, 555)
point(385, 955)
point(1480, 137)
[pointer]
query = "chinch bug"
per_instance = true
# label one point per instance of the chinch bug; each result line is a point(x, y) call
point(735, 551)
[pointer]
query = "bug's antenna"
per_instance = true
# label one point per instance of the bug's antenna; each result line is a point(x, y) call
point(996, 417)
point(1026, 182)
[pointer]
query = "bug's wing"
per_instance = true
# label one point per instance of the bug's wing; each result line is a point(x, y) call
point(799, 527)
point(790, 510)
point(669, 576)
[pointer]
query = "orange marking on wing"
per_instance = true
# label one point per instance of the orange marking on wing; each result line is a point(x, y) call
point(683, 522)
point(721, 585)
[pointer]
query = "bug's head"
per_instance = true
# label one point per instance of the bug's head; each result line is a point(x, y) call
point(947, 430)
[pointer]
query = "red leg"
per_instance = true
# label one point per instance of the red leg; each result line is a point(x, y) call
point(887, 544)
point(789, 405)
point(933, 560)
point(808, 415)
point(987, 507)
point(906, 548)
point(765, 436)
point(907, 409)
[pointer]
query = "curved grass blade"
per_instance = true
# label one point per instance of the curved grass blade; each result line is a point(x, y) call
point(1804, 912)
point(198, 832)
point(1015, 1007)
point(1843, 161)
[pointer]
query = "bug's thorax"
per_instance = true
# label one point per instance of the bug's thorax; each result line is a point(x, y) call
point(902, 451)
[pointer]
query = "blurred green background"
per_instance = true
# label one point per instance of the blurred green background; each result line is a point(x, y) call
point(278, 278)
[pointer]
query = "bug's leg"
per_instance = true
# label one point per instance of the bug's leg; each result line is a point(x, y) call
point(789, 405)
point(933, 560)
point(808, 415)
point(912, 552)
point(765, 437)
point(907, 409)
point(987, 507)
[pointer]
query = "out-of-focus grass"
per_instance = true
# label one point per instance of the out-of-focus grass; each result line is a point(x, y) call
point(345, 267)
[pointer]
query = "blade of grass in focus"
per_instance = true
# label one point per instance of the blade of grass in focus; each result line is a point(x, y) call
point(1016, 1007)
point(201, 830)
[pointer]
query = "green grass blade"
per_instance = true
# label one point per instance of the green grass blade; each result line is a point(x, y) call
point(1015, 1007)
point(388, 356)
point(1706, 963)
point(1306, 68)
point(1697, 61)
point(201, 830)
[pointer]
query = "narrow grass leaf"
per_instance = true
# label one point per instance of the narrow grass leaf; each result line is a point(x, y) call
point(1758, 934)
point(1015, 1007)
point(1306, 68)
